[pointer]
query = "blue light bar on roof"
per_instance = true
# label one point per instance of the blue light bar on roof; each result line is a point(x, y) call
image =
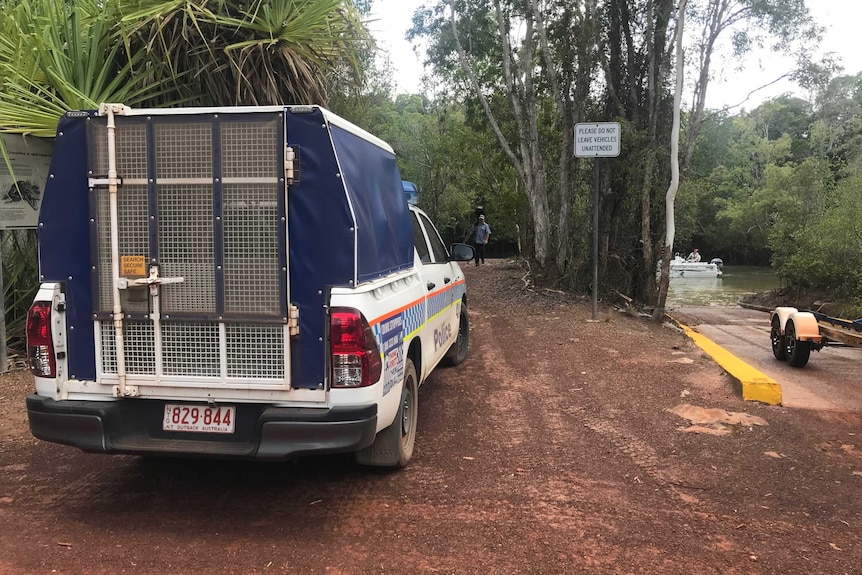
point(411, 192)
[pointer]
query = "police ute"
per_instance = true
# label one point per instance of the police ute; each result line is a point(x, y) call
point(246, 282)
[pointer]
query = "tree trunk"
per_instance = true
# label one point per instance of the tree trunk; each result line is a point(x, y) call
point(670, 198)
point(647, 286)
point(529, 161)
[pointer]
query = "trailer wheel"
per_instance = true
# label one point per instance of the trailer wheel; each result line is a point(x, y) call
point(797, 351)
point(393, 447)
point(779, 347)
point(458, 352)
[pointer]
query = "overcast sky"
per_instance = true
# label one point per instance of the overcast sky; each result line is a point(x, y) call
point(842, 18)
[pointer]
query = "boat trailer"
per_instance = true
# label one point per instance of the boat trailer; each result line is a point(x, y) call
point(794, 333)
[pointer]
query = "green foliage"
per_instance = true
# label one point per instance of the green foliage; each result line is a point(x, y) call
point(455, 166)
point(246, 53)
point(59, 56)
point(20, 282)
point(773, 183)
point(826, 252)
point(761, 179)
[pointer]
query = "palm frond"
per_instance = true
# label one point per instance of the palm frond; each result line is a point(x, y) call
point(73, 60)
point(262, 52)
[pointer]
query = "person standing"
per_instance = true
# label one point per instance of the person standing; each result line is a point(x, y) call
point(481, 234)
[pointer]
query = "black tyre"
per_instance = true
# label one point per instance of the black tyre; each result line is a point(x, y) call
point(458, 352)
point(797, 351)
point(393, 446)
point(779, 349)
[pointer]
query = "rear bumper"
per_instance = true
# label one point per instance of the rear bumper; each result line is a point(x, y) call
point(133, 426)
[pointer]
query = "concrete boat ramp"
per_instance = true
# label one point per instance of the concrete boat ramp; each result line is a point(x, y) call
point(738, 339)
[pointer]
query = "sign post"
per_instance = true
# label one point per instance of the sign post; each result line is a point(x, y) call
point(597, 140)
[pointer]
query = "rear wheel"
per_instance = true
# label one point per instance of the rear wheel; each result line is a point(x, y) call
point(797, 351)
point(458, 352)
point(393, 447)
point(779, 349)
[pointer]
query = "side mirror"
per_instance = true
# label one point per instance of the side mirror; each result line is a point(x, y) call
point(461, 253)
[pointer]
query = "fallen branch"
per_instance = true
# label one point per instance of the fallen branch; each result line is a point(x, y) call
point(625, 297)
point(526, 275)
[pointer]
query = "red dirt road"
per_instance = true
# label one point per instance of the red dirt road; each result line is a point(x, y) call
point(551, 450)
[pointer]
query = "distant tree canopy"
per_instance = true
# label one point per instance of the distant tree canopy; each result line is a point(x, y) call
point(782, 184)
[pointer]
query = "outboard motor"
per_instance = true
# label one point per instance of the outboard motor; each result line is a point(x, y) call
point(717, 261)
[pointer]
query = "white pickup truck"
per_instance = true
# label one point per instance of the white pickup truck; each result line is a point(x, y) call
point(242, 282)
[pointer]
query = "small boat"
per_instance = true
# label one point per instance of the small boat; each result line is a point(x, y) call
point(680, 268)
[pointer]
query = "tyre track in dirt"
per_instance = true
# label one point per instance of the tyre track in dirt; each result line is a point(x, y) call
point(523, 397)
point(550, 416)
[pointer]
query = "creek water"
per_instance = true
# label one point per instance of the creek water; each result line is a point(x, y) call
point(725, 290)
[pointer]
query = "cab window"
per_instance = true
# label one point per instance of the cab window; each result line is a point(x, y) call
point(441, 255)
point(419, 241)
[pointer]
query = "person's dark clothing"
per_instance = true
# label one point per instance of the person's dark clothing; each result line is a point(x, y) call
point(480, 253)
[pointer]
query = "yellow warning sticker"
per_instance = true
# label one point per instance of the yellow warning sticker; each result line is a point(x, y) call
point(133, 266)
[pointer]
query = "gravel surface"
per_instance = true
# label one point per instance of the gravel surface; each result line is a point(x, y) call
point(560, 446)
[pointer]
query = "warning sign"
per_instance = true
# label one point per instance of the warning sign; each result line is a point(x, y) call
point(597, 140)
point(133, 266)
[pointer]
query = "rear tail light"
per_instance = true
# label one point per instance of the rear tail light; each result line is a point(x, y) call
point(40, 345)
point(355, 355)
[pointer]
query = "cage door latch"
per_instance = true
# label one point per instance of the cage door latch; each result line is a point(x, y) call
point(153, 281)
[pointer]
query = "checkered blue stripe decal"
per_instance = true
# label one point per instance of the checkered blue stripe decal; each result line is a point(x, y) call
point(438, 301)
point(459, 290)
point(413, 317)
point(392, 330)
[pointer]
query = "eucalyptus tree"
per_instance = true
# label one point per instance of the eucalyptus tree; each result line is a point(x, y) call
point(529, 64)
point(783, 24)
point(670, 197)
point(637, 55)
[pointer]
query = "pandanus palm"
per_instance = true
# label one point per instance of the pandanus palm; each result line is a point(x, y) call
point(263, 52)
point(59, 56)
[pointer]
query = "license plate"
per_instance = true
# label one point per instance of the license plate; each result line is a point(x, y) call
point(199, 418)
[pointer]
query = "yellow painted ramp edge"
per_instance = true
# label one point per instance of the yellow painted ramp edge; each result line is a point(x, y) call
point(756, 385)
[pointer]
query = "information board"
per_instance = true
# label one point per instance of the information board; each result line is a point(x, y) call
point(30, 159)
